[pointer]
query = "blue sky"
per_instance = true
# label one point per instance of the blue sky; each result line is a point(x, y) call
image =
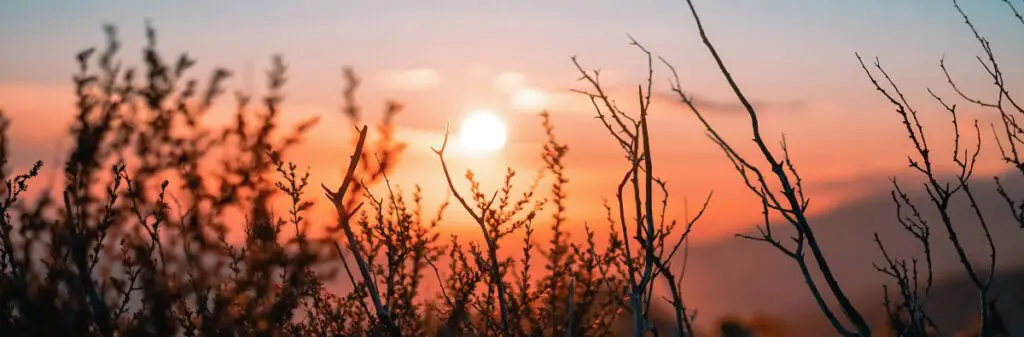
point(777, 38)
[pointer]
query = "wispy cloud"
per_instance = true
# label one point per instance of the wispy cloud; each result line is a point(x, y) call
point(415, 79)
point(716, 106)
point(625, 98)
point(509, 82)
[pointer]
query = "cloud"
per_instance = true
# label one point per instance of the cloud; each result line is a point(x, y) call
point(530, 99)
point(415, 79)
point(734, 106)
point(626, 98)
point(508, 82)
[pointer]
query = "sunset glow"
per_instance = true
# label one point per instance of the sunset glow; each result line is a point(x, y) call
point(530, 99)
point(492, 166)
point(483, 131)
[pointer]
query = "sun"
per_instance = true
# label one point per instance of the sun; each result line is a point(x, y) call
point(483, 131)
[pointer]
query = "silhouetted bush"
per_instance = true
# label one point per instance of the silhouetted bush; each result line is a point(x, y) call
point(135, 239)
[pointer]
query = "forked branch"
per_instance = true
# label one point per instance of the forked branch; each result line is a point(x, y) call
point(345, 214)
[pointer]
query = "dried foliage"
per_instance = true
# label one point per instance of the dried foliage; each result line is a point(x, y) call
point(907, 315)
point(140, 239)
point(137, 239)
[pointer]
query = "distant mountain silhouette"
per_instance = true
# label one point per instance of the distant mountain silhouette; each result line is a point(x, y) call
point(949, 300)
point(743, 277)
point(953, 305)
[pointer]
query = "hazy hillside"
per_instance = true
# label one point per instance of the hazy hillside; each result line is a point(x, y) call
point(771, 284)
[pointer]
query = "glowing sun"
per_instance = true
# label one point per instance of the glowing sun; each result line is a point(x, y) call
point(483, 131)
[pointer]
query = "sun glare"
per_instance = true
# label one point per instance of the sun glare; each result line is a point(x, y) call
point(483, 131)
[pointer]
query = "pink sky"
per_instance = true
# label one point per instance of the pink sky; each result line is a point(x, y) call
point(794, 59)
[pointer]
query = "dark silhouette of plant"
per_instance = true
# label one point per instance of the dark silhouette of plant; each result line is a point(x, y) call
point(941, 193)
point(166, 224)
point(142, 247)
point(654, 256)
point(780, 189)
point(907, 316)
point(123, 251)
point(782, 195)
point(142, 237)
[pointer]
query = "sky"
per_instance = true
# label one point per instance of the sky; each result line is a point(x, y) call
point(443, 59)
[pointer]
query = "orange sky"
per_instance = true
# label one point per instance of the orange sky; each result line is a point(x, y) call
point(842, 152)
point(794, 59)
